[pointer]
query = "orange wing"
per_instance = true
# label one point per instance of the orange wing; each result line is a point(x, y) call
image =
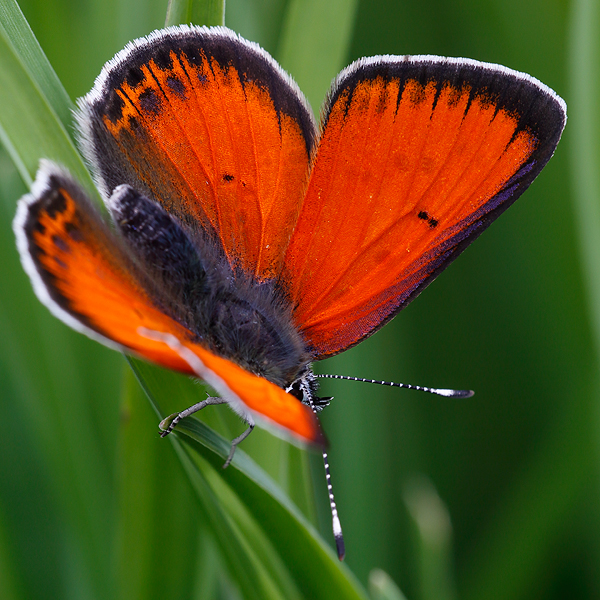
point(80, 271)
point(212, 128)
point(417, 157)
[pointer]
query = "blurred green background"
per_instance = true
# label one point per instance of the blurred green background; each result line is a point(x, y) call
point(494, 497)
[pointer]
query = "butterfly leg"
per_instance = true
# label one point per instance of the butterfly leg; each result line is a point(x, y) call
point(236, 441)
point(167, 425)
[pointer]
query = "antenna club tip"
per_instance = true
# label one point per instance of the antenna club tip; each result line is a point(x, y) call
point(454, 393)
point(339, 538)
point(341, 548)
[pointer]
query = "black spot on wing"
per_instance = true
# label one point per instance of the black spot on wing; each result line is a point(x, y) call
point(60, 243)
point(176, 86)
point(150, 102)
point(425, 216)
point(161, 56)
point(38, 227)
point(113, 106)
point(74, 232)
point(55, 204)
point(132, 75)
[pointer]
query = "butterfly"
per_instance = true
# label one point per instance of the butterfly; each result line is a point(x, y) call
point(246, 241)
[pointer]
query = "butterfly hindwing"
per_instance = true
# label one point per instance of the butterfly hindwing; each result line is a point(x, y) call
point(418, 155)
point(211, 127)
point(84, 273)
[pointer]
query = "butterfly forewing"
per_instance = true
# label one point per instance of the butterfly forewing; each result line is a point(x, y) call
point(211, 127)
point(418, 155)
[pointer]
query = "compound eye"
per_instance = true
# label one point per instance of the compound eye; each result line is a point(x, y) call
point(296, 390)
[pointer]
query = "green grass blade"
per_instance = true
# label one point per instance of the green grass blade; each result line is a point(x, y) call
point(198, 12)
point(255, 541)
point(584, 129)
point(314, 43)
point(155, 533)
point(311, 564)
point(299, 486)
point(520, 540)
point(383, 587)
point(584, 126)
point(10, 588)
point(433, 536)
point(254, 576)
point(15, 28)
point(30, 126)
point(264, 517)
point(209, 567)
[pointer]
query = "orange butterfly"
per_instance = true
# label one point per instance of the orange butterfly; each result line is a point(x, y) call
point(246, 241)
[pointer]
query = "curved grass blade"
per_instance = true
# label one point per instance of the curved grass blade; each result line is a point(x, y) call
point(15, 28)
point(30, 125)
point(585, 146)
point(244, 502)
point(314, 43)
point(383, 587)
point(244, 489)
point(433, 534)
point(150, 490)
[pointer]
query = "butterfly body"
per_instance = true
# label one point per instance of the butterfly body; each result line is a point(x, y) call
point(227, 309)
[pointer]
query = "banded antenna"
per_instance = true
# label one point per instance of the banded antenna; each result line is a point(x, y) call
point(337, 527)
point(335, 519)
point(406, 386)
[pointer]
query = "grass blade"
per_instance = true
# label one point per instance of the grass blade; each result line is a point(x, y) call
point(584, 125)
point(264, 519)
point(383, 587)
point(198, 12)
point(314, 43)
point(15, 28)
point(32, 124)
point(433, 534)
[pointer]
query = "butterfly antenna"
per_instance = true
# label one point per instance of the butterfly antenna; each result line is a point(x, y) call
point(337, 526)
point(407, 386)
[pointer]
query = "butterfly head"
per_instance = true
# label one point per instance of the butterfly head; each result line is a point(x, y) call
point(305, 387)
